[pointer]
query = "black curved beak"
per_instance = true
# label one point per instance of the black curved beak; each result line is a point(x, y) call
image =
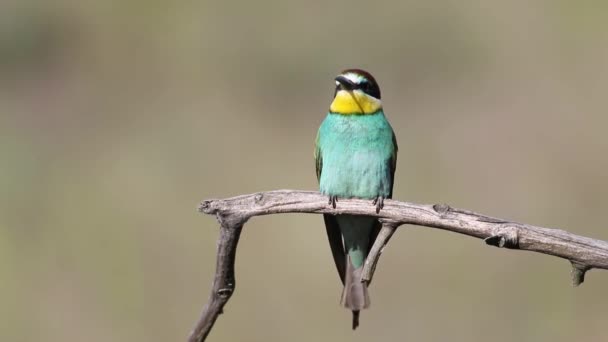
point(345, 83)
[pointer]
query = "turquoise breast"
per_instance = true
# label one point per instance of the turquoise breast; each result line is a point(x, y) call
point(356, 151)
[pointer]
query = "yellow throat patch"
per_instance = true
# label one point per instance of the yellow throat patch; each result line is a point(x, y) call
point(354, 102)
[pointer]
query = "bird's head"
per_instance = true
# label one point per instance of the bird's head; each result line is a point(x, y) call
point(356, 93)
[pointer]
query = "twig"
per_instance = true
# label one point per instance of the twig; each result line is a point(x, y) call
point(223, 283)
point(582, 252)
point(388, 228)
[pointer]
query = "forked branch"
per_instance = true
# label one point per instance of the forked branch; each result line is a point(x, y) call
point(232, 213)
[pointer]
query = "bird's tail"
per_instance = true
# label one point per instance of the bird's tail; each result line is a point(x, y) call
point(354, 296)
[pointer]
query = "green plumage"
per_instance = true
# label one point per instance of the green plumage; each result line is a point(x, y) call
point(356, 157)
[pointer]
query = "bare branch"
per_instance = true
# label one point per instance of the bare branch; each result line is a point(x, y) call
point(223, 283)
point(582, 252)
point(388, 228)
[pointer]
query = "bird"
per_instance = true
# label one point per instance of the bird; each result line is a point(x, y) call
point(356, 157)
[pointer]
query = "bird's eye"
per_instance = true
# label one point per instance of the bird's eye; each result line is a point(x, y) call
point(366, 87)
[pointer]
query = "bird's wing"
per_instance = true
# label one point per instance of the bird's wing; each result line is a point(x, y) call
point(335, 243)
point(393, 164)
point(331, 224)
point(318, 159)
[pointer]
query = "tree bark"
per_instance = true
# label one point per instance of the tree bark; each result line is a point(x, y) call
point(232, 213)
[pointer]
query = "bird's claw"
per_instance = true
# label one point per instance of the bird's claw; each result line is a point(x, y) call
point(379, 203)
point(332, 200)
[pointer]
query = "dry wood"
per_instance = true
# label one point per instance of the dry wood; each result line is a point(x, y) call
point(232, 213)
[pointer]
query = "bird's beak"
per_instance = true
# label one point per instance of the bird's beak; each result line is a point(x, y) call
point(345, 82)
point(349, 86)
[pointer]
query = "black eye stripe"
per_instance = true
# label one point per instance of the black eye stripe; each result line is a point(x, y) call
point(361, 86)
point(370, 88)
point(366, 82)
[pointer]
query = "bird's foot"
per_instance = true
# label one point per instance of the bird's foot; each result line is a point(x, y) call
point(379, 203)
point(332, 200)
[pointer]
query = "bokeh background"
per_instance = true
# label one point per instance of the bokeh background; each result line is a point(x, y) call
point(118, 117)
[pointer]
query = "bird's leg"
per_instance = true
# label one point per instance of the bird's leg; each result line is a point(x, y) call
point(332, 200)
point(379, 203)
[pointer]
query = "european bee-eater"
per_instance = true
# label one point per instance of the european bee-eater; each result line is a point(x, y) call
point(356, 157)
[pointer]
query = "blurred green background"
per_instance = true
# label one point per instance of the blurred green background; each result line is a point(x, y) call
point(118, 117)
